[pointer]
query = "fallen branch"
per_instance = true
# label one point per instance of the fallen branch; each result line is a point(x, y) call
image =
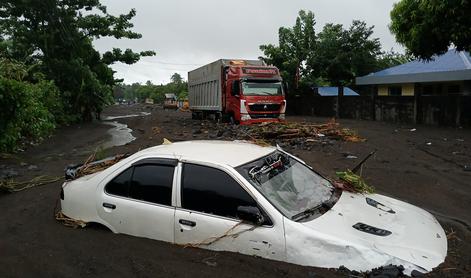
point(70, 222)
point(15, 186)
point(212, 240)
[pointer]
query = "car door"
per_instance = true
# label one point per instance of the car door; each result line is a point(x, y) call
point(138, 200)
point(208, 216)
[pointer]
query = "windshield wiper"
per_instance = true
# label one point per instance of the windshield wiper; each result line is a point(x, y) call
point(310, 211)
point(306, 213)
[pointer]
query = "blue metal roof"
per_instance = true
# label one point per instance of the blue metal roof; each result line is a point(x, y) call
point(450, 61)
point(333, 91)
point(453, 65)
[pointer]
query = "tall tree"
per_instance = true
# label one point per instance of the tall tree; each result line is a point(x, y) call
point(428, 27)
point(176, 78)
point(342, 54)
point(294, 47)
point(59, 34)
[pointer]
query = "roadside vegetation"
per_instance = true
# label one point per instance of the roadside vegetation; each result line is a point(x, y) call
point(141, 92)
point(50, 73)
point(332, 57)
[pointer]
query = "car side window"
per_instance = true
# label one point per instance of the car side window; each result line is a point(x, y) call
point(209, 190)
point(120, 184)
point(152, 183)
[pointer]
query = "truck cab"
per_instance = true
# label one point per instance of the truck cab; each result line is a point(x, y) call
point(254, 94)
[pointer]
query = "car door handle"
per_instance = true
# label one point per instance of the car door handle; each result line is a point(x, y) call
point(108, 205)
point(187, 222)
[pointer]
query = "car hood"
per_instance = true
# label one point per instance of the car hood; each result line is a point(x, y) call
point(402, 230)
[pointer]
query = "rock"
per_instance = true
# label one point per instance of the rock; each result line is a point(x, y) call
point(351, 157)
point(197, 131)
point(33, 168)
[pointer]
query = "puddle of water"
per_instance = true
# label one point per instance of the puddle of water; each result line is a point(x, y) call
point(120, 135)
point(109, 118)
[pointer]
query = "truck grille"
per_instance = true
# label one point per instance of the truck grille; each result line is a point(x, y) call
point(264, 116)
point(264, 107)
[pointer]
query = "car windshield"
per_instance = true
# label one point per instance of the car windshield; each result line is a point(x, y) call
point(292, 187)
point(262, 89)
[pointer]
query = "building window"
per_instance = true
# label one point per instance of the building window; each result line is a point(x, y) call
point(395, 91)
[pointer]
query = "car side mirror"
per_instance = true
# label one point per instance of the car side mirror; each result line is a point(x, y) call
point(235, 88)
point(250, 214)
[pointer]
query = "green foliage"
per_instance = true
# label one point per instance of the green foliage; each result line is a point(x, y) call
point(391, 59)
point(335, 56)
point(29, 111)
point(177, 86)
point(428, 27)
point(294, 46)
point(342, 54)
point(57, 36)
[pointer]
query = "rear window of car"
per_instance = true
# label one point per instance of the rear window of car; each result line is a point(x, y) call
point(119, 186)
point(209, 190)
point(152, 183)
point(146, 182)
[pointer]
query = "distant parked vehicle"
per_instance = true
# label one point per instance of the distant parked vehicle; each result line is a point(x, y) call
point(239, 91)
point(170, 102)
point(262, 201)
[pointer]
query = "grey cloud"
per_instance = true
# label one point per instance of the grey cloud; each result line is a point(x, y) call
point(186, 32)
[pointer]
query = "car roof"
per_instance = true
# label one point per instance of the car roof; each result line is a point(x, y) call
point(232, 153)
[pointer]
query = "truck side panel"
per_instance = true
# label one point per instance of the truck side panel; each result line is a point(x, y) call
point(204, 87)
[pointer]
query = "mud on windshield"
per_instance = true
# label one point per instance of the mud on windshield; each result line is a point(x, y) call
point(293, 188)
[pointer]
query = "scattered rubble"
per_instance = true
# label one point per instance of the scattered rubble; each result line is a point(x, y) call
point(293, 130)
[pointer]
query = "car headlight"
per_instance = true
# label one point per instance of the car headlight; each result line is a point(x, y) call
point(245, 117)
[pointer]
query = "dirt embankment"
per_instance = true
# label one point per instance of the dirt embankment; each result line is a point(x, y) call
point(426, 166)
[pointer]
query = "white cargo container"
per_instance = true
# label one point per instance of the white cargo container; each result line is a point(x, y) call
point(205, 84)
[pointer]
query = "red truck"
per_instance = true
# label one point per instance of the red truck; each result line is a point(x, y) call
point(239, 91)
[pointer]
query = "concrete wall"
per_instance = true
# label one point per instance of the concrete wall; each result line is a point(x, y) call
point(436, 110)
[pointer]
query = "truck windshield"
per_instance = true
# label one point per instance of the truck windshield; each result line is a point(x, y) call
point(262, 88)
point(292, 187)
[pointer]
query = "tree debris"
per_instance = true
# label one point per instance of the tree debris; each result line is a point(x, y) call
point(70, 222)
point(90, 166)
point(352, 182)
point(10, 185)
point(271, 131)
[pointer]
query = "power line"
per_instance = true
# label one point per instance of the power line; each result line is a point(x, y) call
point(176, 64)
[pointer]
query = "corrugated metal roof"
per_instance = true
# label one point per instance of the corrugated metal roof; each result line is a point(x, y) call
point(333, 91)
point(453, 65)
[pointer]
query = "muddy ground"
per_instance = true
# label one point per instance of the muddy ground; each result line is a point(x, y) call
point(426, 166)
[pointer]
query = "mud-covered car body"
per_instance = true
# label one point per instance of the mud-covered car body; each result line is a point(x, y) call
point(240, 197)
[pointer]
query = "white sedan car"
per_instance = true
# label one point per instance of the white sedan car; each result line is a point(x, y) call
point(262, 201)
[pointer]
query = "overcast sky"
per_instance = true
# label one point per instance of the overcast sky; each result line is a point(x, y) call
point(186, 34)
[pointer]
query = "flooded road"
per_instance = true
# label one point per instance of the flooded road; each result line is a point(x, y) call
point(120, 134)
